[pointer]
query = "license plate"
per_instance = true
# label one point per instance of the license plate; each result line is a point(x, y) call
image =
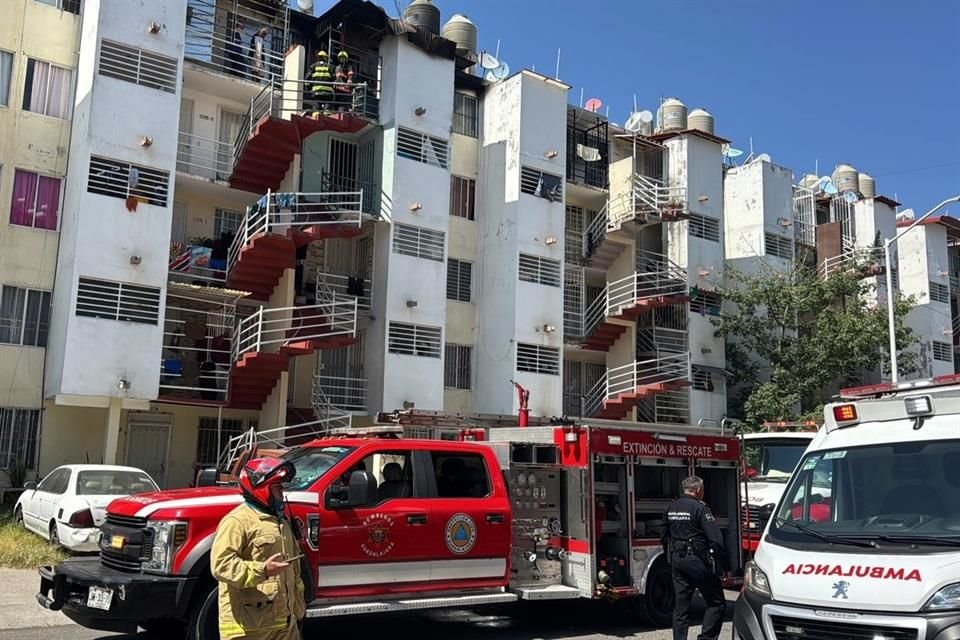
point(99, 598)
point(117, 542)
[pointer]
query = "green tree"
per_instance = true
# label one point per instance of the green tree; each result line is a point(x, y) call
point(792, 337)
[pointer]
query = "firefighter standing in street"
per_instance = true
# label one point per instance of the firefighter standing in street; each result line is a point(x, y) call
point(694, 547)
point(261, 595)
point(321, 91)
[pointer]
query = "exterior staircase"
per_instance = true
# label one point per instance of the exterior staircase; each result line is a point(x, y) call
point(619, 391)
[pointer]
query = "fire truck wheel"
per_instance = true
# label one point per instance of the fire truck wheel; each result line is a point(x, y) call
point(657, 602)
point(204, 621)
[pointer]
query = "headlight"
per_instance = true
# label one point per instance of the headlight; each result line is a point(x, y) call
point(168, 536)
point(946, 599)
point(756, 580)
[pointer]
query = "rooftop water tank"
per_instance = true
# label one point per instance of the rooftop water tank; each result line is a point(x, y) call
point(462, 31)
point(809, 180)
point(672, 115)
point(868, 186)
point(305, 5)
point(700, 119)
point(845, 178)
point(423, 13)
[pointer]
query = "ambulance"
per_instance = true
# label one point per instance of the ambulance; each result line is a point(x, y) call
point(865, 541)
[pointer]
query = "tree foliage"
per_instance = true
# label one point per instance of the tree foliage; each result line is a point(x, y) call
point(792, 337)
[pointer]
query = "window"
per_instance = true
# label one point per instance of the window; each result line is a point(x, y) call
point(456, 366)
point(6, 77)
point(225, 222)
point(135, 65)
point(543, 185)
point(393, 472)
point(702, 379)
point(24, 316)
point(116, 179)
point(418, 242)
point(460, 475)
point(459, 277)
point(51, 483)
point(70, 6)
point(36, 200)
point(414, 145)
point(705, 302)
point(939, 292)
point(118, 301)
point(19, 429)
point(704, 227)
point(208, 445)
point(463, 196)
point(107, 482)
point(778, 246)
point(414, 340)
point(466, 114)
point(942, 351)
point(534, 358)
point(539, 270)
point(48, 89)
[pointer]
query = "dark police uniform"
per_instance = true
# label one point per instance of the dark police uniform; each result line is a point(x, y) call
point(688, 539)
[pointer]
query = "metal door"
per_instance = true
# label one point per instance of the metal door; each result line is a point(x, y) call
point(148, 441)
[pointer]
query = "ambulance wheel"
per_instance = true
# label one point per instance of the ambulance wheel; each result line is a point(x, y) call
point(657, 603)
point(204, 621)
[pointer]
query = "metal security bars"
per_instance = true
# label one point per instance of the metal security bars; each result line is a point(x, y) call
point(457, 364)
point(282, 327)
point(421, 147)
point(804, 216)
point(778, 246)
point(24, 316)
point(587, 148)
point(117, 179)
point(942, 351)
point(704, 227)
point(121, 301)
point(705, 302)
point(535, 358)
point(418, 242)
point(466, 114)
point(459, 280)
point(414, 340)
point(543, 185)
point(574, 301)
point(463, 196)
point(19, 431)
point(211, 434)
point(539, 270)
point(661, 370)
point(939, 292)
point(135, 65)
point(573, 230)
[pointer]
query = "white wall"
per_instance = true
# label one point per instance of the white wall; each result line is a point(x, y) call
point(922, 256)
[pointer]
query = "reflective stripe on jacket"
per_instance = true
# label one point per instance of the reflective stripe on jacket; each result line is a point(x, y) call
point(320, 73)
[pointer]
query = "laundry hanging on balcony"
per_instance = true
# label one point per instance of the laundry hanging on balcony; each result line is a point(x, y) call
point(588, 154)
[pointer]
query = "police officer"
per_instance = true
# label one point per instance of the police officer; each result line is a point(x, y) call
point(694, 546)
point(261, 594)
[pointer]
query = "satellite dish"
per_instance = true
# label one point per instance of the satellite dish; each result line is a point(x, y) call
point(763, 157)
point(498, 73)
point(593, 104)
point(488, 62)
point(646, 117)
point(830, 189)
point(730, 152)
point(634, 122)
point(906, 214)
point(850, 197)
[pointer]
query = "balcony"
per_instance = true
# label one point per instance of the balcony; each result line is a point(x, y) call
point(268, 338)
point(861, 262)
point(339, 392)
point(197, 265)
point(278, 224)
point(204, 158)
point(619, 391)
point(587, 149)
point(335, 286)
point(285, 113)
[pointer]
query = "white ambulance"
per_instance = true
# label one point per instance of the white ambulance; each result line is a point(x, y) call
point(865, 541)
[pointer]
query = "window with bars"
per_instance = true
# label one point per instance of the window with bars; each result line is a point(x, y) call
point(702, 379)
point(24, 316)
point(539, 270)
point(414, 340)
point(414, 145)
point(225, 221)
point(36, 200)
point(942, 351)
point(19, 429)
point(466, 114)
point(456, 366)
point(459, 280)
point(939, 292)
point(70, 6)
point(118, 301)
point(418, 242)
point(135, 65)
point(209, 445)
point(463, 196)
point(778, 246)
point(704, 227)
point(535, 358)
point(705, 302)
point(48, 89)
point(543, 185)
point(116, 179)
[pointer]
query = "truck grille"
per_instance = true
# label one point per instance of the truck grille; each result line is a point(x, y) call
point(803, 629)
point(137, 542)
point(753, 513)
point(126, 521)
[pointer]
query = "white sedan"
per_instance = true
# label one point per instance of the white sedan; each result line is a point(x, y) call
point(69, 505)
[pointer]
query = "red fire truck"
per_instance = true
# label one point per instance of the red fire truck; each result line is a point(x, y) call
point(393, 523)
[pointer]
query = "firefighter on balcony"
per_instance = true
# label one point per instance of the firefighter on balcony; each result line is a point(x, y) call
point(344, 82)
point(321, 91)
point(694, 546)
point(260, 592)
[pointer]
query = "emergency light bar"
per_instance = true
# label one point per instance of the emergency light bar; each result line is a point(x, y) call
point(918, 405)
point(845, 414)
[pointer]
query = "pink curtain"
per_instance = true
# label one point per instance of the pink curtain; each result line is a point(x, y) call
point(48, 203)
point(24, 197)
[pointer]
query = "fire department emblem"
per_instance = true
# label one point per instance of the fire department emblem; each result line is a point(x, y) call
point(378, 542)
point(461, 534)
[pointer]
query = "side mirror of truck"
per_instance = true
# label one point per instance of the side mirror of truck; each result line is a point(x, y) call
point(207, 477)
point(30, 486)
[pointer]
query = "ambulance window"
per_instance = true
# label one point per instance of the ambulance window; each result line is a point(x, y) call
point(461, 475)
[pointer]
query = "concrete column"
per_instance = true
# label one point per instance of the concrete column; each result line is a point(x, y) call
point(111, 436)
point(274, 411)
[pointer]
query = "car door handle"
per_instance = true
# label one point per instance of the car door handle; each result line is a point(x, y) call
point(495, 518)
point(417, 518)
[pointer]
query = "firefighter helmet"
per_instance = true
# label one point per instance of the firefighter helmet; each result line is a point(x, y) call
point(322, 54)
point(343, 55)
point(258, 475)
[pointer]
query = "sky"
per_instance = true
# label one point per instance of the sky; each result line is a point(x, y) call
point(871, 83)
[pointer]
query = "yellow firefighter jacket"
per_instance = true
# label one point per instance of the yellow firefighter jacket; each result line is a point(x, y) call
point(251, 604)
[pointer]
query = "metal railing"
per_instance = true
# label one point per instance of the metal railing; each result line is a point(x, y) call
point(272, 329)
point(339, 392)
point(196, 355)
point(334, 183)
point(279, 437)
point(804, 215)
point(278, 212)
point(333, 286)
point(663, 369)
point(669, 407)
point(662, 340)
point(204, 157)
point(869, 260)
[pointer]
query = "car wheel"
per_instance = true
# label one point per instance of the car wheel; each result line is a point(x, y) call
point(205, 619)
point(54, 535)
point(18, 518)
point(658, 600)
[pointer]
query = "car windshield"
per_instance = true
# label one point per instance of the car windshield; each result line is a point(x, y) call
point(896, 493)
point(311, 463)
point(105, 482)
point(773, 461)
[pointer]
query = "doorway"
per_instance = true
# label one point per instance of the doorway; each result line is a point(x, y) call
point(148, 443)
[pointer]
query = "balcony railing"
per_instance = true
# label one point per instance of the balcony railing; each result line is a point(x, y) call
point(647, 198)
point(272, 329)
point(370, 202)
point(339, 392)
point(333, 286)
point(280, 212)
point(193, 264)
point(663, 369)
point(203, 157)
point(867, 261)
